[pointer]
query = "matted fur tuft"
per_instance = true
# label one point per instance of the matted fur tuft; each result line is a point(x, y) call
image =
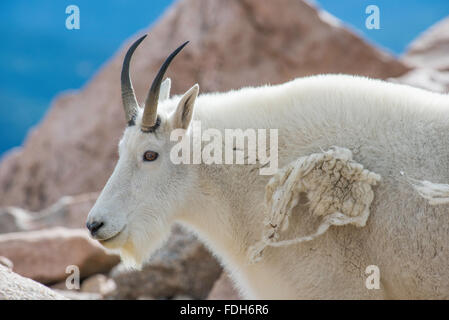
point(337, 187)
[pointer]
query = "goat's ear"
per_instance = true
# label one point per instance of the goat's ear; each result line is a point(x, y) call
point(184, 111)
point(164, 92)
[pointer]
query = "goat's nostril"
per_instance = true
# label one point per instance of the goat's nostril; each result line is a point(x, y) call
point(94, 226)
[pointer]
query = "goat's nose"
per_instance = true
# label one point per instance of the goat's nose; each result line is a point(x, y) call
point(94, 227)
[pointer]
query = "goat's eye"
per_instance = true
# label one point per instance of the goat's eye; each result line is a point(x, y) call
point(150, 156)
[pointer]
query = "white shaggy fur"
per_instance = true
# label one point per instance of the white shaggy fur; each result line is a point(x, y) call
point(395, 131)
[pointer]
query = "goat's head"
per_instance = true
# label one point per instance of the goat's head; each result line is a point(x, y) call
point(140, 200)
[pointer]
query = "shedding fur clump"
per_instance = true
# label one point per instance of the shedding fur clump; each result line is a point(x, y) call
point(337, 188)
point(434, 193)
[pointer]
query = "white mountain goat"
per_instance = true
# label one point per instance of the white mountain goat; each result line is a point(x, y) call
point(358, 208)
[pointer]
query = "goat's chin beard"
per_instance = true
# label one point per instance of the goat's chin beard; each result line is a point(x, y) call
point(139, 248)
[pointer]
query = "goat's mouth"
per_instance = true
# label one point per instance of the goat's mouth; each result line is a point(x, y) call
point(112, 238)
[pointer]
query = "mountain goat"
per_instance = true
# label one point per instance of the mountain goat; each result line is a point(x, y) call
point(361, 185)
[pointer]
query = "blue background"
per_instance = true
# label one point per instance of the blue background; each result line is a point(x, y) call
point(39, 57)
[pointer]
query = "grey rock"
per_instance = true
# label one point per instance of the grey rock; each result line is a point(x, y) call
point(77, 295)
point(224, 289)
point(16, 287)
point(430, 49)
point(6, 262)
point(44, 255)
point(13, 219)
point(99, 284)
point(182, 267)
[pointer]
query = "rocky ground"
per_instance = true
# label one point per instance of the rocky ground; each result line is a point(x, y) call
point(48, 186)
